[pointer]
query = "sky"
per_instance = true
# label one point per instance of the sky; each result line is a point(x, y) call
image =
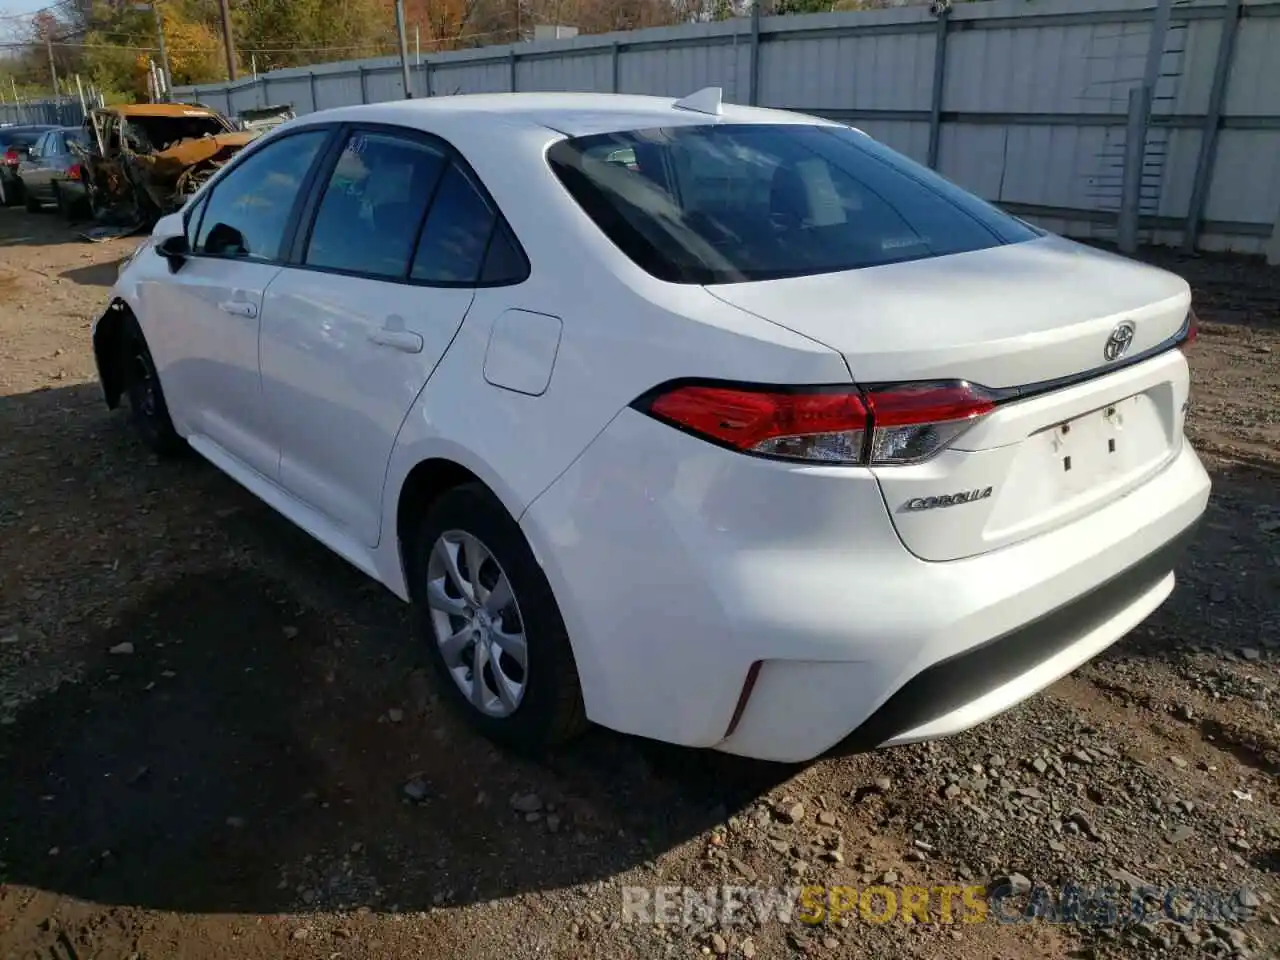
point(22, 6)
point(11, 13)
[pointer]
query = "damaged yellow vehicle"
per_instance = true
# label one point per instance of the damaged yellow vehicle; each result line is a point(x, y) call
point(144, 160)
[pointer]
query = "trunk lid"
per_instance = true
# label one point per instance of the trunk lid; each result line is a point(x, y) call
point(1007, 316)
point(1017, 316)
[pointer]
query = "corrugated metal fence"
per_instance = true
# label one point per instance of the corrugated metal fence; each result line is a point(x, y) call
point(1025, 104)
point(62, 112)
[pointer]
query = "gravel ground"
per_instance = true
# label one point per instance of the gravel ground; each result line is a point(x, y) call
point(215, 740)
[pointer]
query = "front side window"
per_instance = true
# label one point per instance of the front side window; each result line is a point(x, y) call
point(374, 204)
point(740, 202)
point(248, 210)
point(192, 221)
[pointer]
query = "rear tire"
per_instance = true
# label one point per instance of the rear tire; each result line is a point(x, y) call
point(148, 411)
point(32, 203)
point(464, 617)
point(60, 202)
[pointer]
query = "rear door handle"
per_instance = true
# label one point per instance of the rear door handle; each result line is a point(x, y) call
point(239, 308)
point(405, 340)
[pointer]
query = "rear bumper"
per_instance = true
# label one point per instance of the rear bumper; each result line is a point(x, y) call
point(682, 569)
point(71, 189)
point(957, 692)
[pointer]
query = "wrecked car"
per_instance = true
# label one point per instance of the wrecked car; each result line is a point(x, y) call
point(263, 119)
point(142, 161)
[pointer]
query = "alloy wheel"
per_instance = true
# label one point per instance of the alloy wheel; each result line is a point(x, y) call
point(477, 623)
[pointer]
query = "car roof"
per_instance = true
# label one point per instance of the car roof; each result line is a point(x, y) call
point(572, 114)
point(28, 128)
point(159, 110)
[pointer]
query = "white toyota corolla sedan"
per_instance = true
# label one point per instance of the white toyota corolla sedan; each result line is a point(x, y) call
point(727, 427)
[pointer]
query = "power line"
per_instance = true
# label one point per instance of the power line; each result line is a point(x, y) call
point(253, 48)
point(35, 13)
point(22, 45)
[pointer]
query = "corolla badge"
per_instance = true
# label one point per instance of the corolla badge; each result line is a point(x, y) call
point(1119, 342)
point(949, 500)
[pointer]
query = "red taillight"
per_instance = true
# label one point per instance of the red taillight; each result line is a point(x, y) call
point(1190, 332)
point(913, 421)
point(11, 157)
point(73, 171)
point(813, 424)
point(893, 425)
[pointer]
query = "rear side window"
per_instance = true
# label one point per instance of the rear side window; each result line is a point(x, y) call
point(740, 202)
point(455, 237)
point(505, 262)
point(248, 209)
point(374, 204)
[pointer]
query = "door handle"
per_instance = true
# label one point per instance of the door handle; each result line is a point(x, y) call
point(239, 308)
point(405, 340)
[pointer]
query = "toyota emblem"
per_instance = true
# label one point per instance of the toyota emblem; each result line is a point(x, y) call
point(1119, 341)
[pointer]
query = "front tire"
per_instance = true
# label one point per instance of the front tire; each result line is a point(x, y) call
point(148, 410)
point(489, 623)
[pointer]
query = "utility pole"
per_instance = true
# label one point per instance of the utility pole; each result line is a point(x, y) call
point(17, 101)
point(417, 45)
point(166, 75)
point(53, 70)
point(228, 41)
point(404, 50)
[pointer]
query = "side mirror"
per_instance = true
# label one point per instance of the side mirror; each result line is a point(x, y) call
point(175, 249)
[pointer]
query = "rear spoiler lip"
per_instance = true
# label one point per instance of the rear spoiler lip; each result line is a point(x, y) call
point(1026, 391)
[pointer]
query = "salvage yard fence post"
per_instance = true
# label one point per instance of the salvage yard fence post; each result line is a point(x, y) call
point(1212, 122)
point(1139, 121)
point(939, 85)
point(1273, 246)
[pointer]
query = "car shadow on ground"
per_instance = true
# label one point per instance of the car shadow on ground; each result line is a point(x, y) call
point(44, 229)
point(254, 732)
point(94, 275)
point(265, 738)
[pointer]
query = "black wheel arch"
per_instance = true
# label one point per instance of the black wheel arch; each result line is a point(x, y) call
point(108, 340)
point(426, 482)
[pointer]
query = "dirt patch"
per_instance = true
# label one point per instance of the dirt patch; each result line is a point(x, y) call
point(260, 768)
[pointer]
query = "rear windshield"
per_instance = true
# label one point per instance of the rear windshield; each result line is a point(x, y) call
point(22, 138)
point(738, 202)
